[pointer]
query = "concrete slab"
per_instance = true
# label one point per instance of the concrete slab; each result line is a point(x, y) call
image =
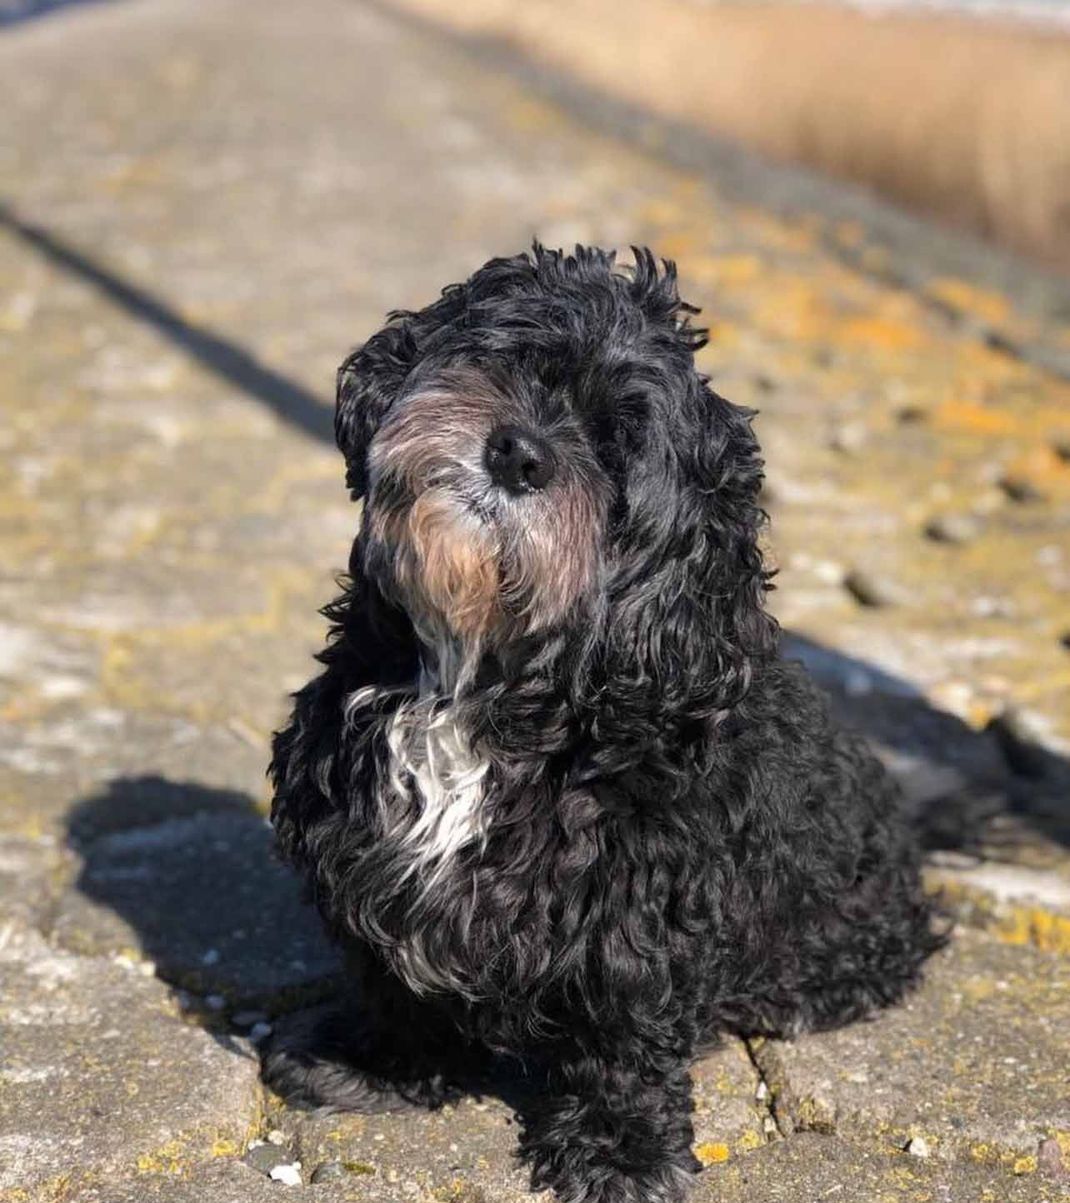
point(101, 1075)
point(975, 1063)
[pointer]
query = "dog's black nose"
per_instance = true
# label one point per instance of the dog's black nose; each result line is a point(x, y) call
point(518, 460)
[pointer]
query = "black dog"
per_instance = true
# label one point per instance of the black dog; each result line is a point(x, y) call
point(554, 792)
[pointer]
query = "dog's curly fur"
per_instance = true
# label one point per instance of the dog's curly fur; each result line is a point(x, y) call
point(554, 792)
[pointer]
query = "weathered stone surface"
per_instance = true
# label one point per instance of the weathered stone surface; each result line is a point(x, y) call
point(32, 873)
point(101, 1075)
point(465, 1151)
point(803, 1170)
point(228, 1181)
point(1015, 884)
point(205, 900)
point(730, 1119)
point(147, 800)
point(223, 1181)
point(976, 1062)
point(810, 1167)
point(64, 774)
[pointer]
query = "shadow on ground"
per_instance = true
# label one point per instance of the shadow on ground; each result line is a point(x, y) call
point(185, 875)
point(226, 359)
point(15, 12)
point(955, 778)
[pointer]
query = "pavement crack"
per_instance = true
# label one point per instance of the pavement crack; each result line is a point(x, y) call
point(765, 1095)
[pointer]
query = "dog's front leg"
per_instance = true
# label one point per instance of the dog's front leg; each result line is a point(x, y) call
point(377, 1049)
point(613, 1129)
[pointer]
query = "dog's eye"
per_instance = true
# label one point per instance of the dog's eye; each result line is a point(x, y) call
point(619, 431)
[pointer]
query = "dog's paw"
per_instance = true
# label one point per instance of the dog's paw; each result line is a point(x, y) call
point(580, 1181)
point(665, 1184)
point(320, 1059)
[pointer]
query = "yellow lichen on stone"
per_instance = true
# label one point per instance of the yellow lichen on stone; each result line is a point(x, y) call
point(223, 1147)
point(814, 1115)
point(167, 1159)
point(1034, 925)
point(1025, 1165)
point(968, 298)
point(1009, 922)
point(984, 1154)
point(712, 1152)
point(749, 1141)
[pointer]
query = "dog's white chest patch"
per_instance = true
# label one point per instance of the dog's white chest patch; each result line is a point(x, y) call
point(431, 804)
point(431, 758)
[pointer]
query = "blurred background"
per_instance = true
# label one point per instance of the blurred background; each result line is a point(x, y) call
point(204, 204)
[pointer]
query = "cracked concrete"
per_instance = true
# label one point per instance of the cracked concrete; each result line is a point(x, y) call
point(206, 205)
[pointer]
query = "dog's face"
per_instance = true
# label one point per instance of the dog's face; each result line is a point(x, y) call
point(487, 500)
point(538, 454)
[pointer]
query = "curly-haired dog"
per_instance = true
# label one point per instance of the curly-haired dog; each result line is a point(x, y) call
point(554, 792)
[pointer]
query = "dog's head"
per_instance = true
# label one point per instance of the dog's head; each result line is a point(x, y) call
point(540, 461)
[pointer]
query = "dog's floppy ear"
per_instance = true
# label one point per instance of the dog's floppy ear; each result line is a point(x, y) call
point(724, 473)
point(688, 621)
point(368, 382)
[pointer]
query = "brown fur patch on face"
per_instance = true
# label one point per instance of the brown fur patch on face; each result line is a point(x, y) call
point(458, 564)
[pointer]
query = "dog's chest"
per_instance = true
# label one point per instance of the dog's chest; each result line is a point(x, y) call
point(438, 780)
point(432, 807)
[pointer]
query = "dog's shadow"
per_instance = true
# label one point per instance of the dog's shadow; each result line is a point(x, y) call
point(969, 789)
point(185, 873)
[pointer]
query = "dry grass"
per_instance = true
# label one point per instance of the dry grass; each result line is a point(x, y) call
point(965, 120)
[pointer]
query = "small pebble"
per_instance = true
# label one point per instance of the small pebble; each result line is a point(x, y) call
point(918, 1146)
point(870, 590)
point(276, 1137)
point(1017, 488)
point(265, 1157)
point(848, 438)
point(1050, 1159)
point(761, 1092)
point(215, 1002)
point(828, 572)
point(288, 1175)
point(909, 415)
point(953, 528)
point(211, 957)
point(991, 607)
point(259, 1031)
point(329, 1171)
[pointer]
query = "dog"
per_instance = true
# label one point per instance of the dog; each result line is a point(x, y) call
point(555, 793)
